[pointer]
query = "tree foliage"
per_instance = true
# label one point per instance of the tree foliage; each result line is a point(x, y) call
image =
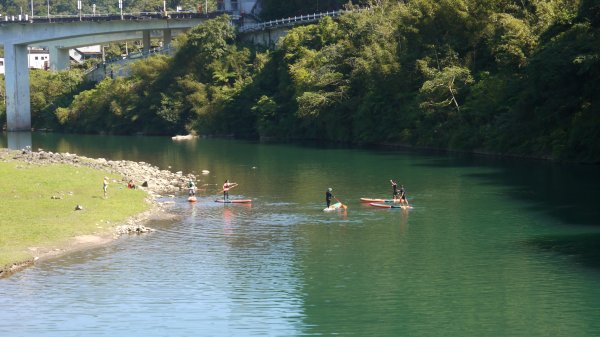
point(511, 77)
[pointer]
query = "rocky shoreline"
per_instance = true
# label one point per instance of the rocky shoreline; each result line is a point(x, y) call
point(150, 178)
point(153, 180)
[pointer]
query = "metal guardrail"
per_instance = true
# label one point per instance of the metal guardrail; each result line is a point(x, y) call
point(114, 66)
point(291, 21)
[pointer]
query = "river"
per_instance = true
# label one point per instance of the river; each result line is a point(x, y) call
point(491, 247)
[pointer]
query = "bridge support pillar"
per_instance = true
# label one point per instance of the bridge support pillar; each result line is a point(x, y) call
point(146, 41)
point(227, 4)
point(19, 140)
point(18, 105)
point(59, 58)
point(167, 37)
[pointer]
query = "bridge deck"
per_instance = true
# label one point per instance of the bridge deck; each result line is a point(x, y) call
point(23, 19)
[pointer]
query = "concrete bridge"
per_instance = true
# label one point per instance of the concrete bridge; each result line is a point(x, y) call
point(59, 38)
point(59, 34)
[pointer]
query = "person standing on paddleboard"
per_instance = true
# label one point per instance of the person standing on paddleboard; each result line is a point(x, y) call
point(191, 188)
point(403, 196)
point(395, 192)
point(226, 187)
point(328, 196)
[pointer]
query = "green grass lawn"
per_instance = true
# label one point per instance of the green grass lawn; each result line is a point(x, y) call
point(29, 217)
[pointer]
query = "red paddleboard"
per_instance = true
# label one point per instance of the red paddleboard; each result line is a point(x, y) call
point(378, 200)
point(192, 199)
point(374, 204)
point(234, 201)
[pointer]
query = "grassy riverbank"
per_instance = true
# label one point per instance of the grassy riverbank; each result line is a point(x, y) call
point(38, 206)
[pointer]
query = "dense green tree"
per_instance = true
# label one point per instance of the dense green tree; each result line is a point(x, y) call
point(512, 77)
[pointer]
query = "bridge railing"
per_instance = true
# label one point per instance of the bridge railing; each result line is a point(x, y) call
point(301, 19)
point(119, 66)
point(25, 18)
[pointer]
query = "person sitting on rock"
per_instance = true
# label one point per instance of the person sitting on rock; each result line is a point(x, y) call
point(131, 185)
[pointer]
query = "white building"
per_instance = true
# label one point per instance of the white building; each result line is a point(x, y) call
point(38, 58)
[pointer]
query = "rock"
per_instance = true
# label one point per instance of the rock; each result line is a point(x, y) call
point(133, 229)
point(78, 208)
point(163, 181)
point(56, 197)
point(186, 137)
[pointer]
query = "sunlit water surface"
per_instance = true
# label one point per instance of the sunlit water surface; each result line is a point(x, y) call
point(491, 248)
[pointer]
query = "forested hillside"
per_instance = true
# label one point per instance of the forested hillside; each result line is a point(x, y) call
point(509, 77)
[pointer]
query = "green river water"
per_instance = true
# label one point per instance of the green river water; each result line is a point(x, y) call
point(491, 247)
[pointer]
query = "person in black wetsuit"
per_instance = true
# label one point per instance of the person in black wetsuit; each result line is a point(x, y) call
point(403, 196)
point(328, 196)
point(395, 192)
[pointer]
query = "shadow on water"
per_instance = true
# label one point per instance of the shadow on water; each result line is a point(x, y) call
point(583, 248)
point(566, 192)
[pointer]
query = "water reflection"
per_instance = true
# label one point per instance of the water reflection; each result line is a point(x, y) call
point(19, 140)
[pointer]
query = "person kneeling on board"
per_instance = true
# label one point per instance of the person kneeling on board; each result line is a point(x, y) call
point(328, 196)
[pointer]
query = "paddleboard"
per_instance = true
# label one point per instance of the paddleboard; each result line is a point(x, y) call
point(378, 200)
point(333, 207)
point(375, 204)
point(192, 199)
point(234, 201)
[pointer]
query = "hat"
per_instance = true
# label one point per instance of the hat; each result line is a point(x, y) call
point(330, 189)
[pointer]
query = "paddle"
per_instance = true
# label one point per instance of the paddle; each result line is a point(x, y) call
point(338, 200)
point(231, 185)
